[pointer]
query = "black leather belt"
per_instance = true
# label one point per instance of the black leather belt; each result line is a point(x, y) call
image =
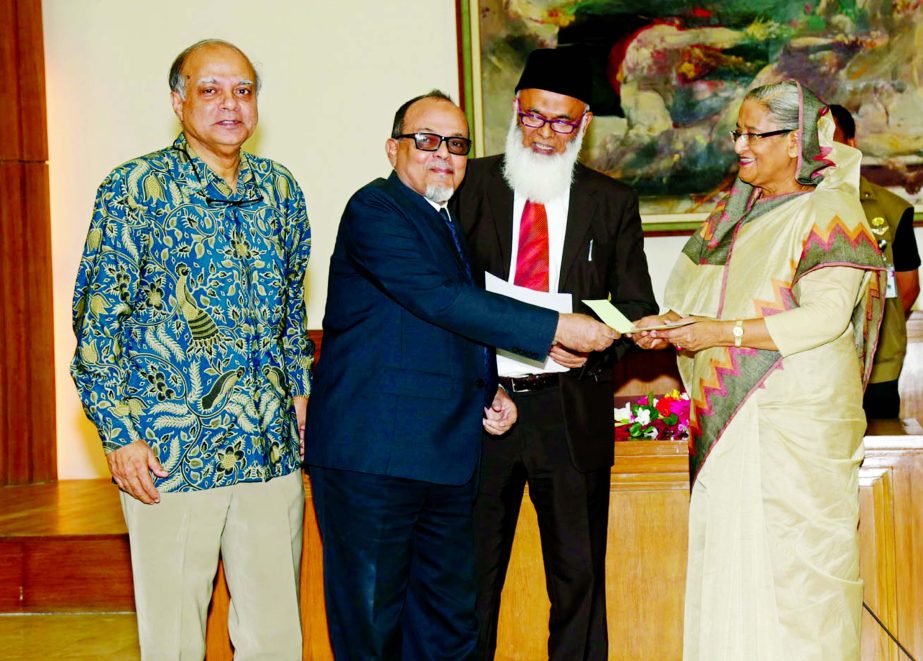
point(529, 383)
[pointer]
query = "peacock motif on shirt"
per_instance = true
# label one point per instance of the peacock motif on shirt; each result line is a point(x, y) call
point(202, 327)
point(221, 387)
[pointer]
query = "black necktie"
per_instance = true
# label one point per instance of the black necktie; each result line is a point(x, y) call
point(489, 361)
point(444, 214)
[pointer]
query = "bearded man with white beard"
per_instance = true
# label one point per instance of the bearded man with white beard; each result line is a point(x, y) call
point(536, 218)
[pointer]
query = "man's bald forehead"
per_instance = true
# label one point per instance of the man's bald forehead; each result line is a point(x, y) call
point(178, 75)
point(418, 112)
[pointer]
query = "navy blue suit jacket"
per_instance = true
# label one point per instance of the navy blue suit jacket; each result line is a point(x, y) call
point(402, 380)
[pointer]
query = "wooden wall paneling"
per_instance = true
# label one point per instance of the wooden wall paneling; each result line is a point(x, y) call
point(645, 562)
point(911, 381)
point(62, 574)
point(63, 548)
point(30, 55)
point(646, 556)
point(217, 640)
point(10, 118)
point(10, 576)
point(316, 336)
point(38, 359)
point(891, 538)
point(877, 563)
point(65, 574)
point(908, 487)
point(14, 437)
point(313, 614)
point(27, 434)
point(23, 132)
point(524, 607)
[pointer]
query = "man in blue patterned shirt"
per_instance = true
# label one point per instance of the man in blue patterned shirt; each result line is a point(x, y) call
point(193, 362)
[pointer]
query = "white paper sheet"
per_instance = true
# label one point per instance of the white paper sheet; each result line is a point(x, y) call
point(511, 364)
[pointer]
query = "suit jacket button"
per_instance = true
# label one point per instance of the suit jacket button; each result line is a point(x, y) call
point(480, 383)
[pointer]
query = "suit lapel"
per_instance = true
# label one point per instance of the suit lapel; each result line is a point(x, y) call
point(500, 200)
point(580, 210)
point(429, 221)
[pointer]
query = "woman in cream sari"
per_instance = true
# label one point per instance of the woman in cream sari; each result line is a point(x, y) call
point(783, 284)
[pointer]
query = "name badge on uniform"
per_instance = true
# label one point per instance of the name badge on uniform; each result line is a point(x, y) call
point(891, 291)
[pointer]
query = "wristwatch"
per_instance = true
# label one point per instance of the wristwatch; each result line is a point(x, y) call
point(738, 332)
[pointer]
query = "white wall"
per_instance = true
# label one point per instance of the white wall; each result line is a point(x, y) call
point(334, 72)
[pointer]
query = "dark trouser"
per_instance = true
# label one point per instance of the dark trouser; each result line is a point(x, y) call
point(398, 576)
point(572, 510)
point(882, 400)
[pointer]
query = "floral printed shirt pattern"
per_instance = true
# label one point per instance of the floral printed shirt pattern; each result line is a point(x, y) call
point(190, 319)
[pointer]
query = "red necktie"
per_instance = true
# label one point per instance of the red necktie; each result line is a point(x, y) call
point(532, 258)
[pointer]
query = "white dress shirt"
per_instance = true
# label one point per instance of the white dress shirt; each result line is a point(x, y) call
point(556, 211)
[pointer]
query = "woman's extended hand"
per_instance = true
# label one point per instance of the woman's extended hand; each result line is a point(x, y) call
point(703, 333)
point(648, 339)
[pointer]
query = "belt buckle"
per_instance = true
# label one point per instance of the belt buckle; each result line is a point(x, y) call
point(532, 383)
point(520, 388)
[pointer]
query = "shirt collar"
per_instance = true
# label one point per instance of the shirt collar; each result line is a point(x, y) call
point(411, 194)
point(436, 205)
point(202, 178)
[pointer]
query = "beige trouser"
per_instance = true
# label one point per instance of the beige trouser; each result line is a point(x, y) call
point(257, 527)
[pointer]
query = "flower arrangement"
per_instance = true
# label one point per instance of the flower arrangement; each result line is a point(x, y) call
point(666, 418)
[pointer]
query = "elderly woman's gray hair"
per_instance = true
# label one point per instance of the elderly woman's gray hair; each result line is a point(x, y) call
point(178, 81)
point(782, 100)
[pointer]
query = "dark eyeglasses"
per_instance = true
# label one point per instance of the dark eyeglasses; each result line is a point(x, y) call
point(536, 121)
point(433, 141)
point(737, 135)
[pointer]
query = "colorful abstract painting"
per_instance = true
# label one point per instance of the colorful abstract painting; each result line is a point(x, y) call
point(669, 77)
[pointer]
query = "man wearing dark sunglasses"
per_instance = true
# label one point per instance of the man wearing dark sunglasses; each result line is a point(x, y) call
point(193, 361)
point(406, 383)
point(537, 218)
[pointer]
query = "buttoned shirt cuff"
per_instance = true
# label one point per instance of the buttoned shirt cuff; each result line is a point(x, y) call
point(117, 433)
point(300, 378)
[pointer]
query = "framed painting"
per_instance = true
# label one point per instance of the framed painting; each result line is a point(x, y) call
point(670, 76)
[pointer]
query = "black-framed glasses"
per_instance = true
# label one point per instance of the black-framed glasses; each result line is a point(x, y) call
point(535, 121)
point(737, 135)
point(433, 141)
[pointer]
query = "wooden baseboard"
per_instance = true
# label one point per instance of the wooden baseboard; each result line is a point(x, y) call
point(60, 575)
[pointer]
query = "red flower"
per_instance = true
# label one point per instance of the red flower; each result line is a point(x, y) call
point(666, 418)
point(664, 407)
